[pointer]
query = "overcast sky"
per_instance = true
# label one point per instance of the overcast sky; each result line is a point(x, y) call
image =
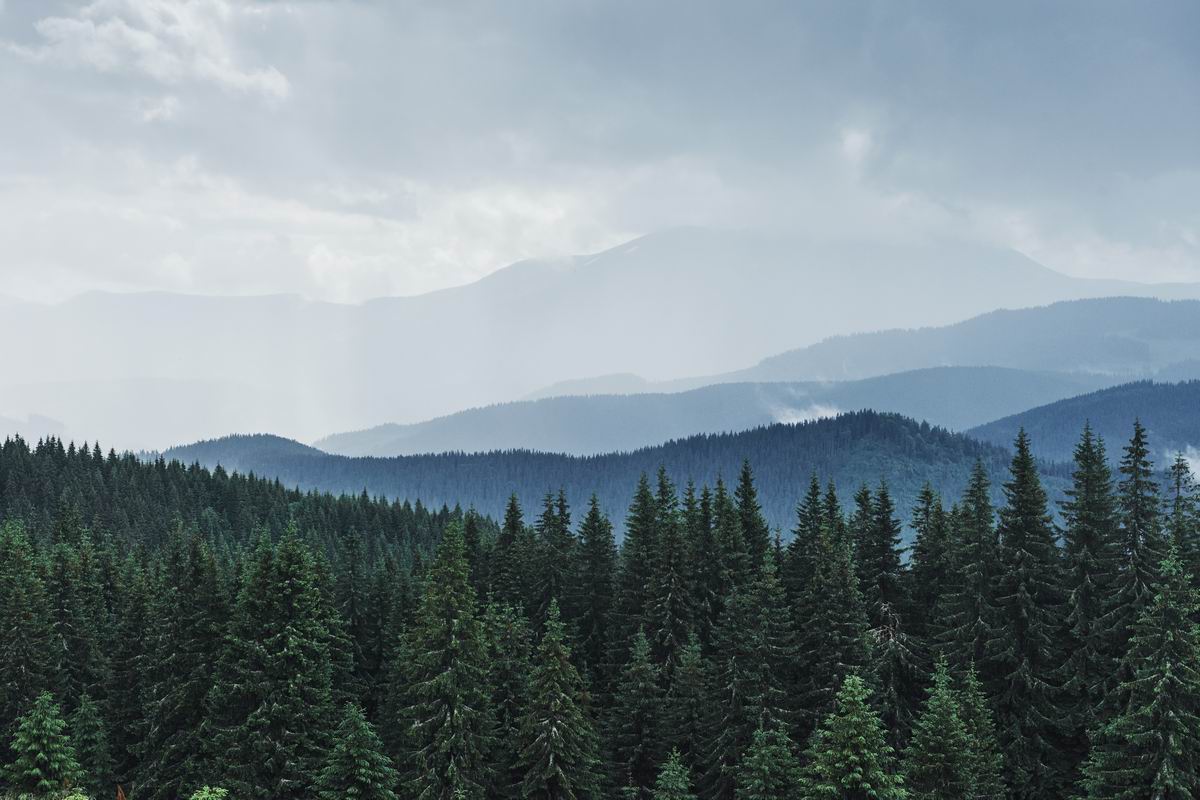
point(346, 150)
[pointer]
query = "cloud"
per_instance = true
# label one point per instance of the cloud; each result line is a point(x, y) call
point(168, 41)
point(159, 109)
point(812, 413)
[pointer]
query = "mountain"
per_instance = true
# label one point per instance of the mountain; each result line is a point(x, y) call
point(678, 303)
point(952, 397)
point(1121, 337)
point(851, 449)
point(1170, 412)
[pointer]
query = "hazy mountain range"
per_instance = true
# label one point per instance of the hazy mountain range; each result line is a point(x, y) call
point(150, 370)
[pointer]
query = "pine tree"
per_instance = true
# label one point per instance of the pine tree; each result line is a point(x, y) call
point(970, 611)
point(635, 721)
point(556, 556)
point(881, 574)
point(669, 614)
point(26, 668)
point(849, 758)
point(509, 643)
point(594, 598)
point(673, 782)
point(755, 532)
point(1025, 651)
point(449, 716)
point(43, 757)
point(938, 761)
point(931, 568)
point(635, 568)
point(1183, 516)
point(1152, 749)
point(733, 556)
point(834, 638)
point(800, 561)
point(559, 749)
point(687, 706)
point(986, 760)
point(272, 702)
point(132, 648)
point(507, 570)
point(1089, 539)
point(89, 737)
point(899, 665)
point(705, 567)
point(770, 769)
point(355, 766)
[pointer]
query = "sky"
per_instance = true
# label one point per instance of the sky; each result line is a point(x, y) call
point(346, 150)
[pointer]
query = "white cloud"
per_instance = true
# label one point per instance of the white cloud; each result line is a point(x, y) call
point(158, 109)
point(812, 413)
point(169, 41)
point(856, 145)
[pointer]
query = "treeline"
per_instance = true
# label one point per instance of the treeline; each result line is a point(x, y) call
point(853, 448)
point(1003, 657)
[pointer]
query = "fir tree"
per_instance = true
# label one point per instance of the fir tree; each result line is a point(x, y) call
point(986, 760)
point(132, 662)
point(881, 575)
point(449, 716)
point(559, 749)
point(849, 758)
point(705, 567)
point(931, 567)
point(770, 769)
point(556, 555)
point(938, 761)
point(509, 643)
point(755, 532)
point(1025, 651)
point(970, 612)
point(43, 760)
point(673, 782)
point(669, 611)
point(1152, 749)
point(594, 598)
point(636, 568)
point(635, 721)
point(899, 666)
point(89, 737)
point(507, 570)
point(687, 706)
point(800, 560)
point(1089, 539)
point(26, 668)
point(355, 765)
point(1183, 516)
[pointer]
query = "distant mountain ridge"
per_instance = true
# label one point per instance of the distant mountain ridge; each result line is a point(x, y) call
point(1169, 411)
point(1124, 337)
point(953, 397)
point(851, 449)
point(672, 304)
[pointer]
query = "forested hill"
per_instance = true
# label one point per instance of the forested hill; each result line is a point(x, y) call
point(59, 490)
point(1169, 411)
point(851, 449)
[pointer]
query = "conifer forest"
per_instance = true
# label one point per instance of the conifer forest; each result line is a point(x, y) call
point(178, 632)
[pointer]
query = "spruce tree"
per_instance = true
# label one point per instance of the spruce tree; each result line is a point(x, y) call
point(1152, 749)
point(881, 574)
point(986, 759)
point(970, 611)
point(635, 721)
point(688, 706)
point(704, 554)
point(899, 666)
point(770, 769)
point(670, 615)
point(849, 758)
point(509, 643)
point(799, 562)
point(1183, 516)
point(1089, 539)
point(43, 759)
point(449, 717)
point(1025, 651)
point(673, 782)
point(733, 556)
point(635, 568)
point(134, 652)
point(559, 749)
point(556, 556)
point(26, 668)
point(755, 532)
point(931, 568)
point(938, 761)
point(507, 570)
point(90, 739)
point(355, 766)
point(594, 592)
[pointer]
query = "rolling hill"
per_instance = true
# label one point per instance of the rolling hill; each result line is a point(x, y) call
point(1170, 412)
point(1125, 338)
point(952, 397)
point(668, 305)
point(849, 449)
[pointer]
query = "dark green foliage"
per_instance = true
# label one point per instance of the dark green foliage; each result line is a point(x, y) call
point(555, 556)
point(687, 708)
point(450, 728)
point(594, 592)
point(635, 721)
point(89, 736)
point(986, 759)
point(508, 571)
point(969, 610)
point(509, 643)
point(1183, 515)
point(770, 769)
point(931, 570)
point(559, 749)
point(938, 762)
point(1089, 550)
point(355, 767)
point(755, 531)
point(1025, 651)
point(670, 611)
point(43, 759)
point(673, 782)
point(636, 568)
point(26, 667)
point(1152, 749)
point(877, 557)
point(849, 758)
point(898, 666)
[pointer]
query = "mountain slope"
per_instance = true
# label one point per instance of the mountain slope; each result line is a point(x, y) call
point(1170, 412)
point(683, 302)
point(850, 449)
point(952, 397)
point(1124, 337)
